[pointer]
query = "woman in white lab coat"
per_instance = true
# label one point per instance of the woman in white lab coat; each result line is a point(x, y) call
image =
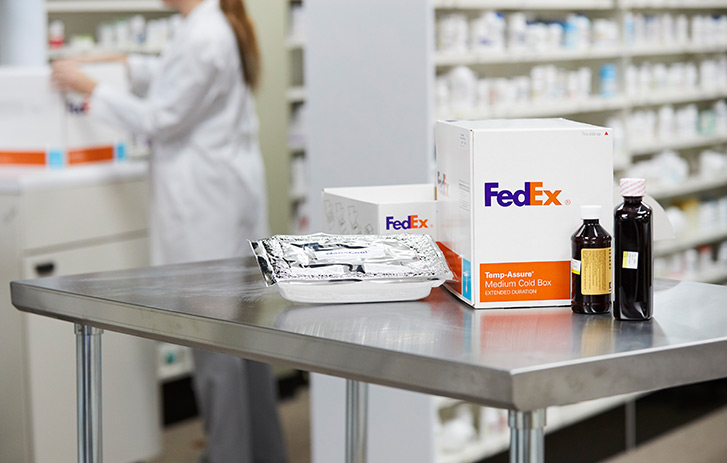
point(207, 190)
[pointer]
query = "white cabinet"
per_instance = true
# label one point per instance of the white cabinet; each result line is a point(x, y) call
point(64, 222)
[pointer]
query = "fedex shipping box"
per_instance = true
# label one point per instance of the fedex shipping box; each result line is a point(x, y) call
point(40, 126)
point(380, 210)
point(508, 199)
point(31, 115)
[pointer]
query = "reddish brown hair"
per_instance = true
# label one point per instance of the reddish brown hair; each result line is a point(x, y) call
point(242, 26)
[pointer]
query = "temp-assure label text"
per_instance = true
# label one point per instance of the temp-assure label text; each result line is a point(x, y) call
point(525, 281)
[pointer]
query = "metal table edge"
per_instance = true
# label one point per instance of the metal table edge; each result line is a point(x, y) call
point(27, 297)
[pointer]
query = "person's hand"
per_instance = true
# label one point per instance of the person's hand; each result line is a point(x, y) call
point(66, 77)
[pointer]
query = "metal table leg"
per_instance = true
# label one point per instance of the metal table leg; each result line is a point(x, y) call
point(526, 436)
point(88, 390)
point(630, 424)
point(357, 394)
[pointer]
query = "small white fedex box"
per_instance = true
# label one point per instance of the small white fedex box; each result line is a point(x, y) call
point(380, 210)
point(508, 199)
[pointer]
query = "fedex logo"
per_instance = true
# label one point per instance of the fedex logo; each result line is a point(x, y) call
point(80, 107)
point(532, 194)
point(411, 222)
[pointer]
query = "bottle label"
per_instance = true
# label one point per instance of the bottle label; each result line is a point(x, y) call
point(575, 266)
point(595, 271)
point(630, 260)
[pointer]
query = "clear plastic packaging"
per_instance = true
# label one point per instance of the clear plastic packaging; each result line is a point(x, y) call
point(324, 268)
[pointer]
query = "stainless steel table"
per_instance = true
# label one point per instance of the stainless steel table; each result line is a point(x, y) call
point(520, 359)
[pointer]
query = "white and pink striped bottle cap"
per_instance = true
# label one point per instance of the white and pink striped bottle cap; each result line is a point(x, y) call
point(633, 187)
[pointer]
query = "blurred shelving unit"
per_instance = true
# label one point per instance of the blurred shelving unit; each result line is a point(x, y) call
point(82, 18)
point(296, 99)
point(622, 105)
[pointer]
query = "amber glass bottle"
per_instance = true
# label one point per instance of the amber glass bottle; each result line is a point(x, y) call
point(590, 265)
point(634, 262)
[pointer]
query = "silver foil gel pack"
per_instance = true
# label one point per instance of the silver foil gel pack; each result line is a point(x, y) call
point(324, 268)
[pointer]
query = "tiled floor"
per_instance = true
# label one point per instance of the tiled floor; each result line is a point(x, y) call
point(184, 442)
point(702, 441)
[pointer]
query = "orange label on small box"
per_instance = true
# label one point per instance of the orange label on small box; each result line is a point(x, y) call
point(525, 281)
point(33, 158)
point(95, 154)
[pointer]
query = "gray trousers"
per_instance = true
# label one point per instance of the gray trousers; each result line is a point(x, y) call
point(238, 402)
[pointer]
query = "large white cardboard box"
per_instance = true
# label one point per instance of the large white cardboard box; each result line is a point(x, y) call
point(509, 197)
point(40, 126)
point(31, 115)
point(380, 210)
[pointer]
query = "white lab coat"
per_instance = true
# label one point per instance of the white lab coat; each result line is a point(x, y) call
point(207, 175)
point(208, 199)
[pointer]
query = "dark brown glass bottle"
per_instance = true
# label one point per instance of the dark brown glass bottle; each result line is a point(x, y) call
point(633, 236)
point(590, 265)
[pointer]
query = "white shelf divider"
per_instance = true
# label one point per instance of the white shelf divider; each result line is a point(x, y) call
point(673, 49)
point(691, 186)
point(540, 109)
point(445, 59)
point(677, 144)
point(674, 4)
point(442, 59)
point(66, 52)
point(524, 4)
point(675, 97)
point(683, 243)
point(89, 6)
point(593, 104)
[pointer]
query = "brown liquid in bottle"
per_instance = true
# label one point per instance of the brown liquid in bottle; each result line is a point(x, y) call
point(634, 275)
point(591, 268)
